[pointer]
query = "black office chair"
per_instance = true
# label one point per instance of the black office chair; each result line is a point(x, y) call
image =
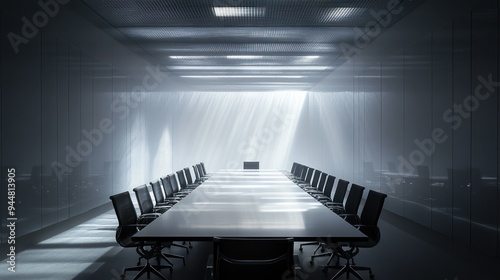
point(326, 196)
point(128, 225)
point(250, 165)
point(204, 170)
point(168, 191)
point(183, 182)
point(351, 208)
point(295, 171)
point(368, 224)
point(175, 187)
point(307, 175)
point(352, 202)
point(159, 196)
point(146, 203)
point(250, 259)
point(313, 186)
point(339, 195)
point(189, 178)
point(199, 177)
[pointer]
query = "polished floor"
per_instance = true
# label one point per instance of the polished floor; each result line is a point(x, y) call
point(407, 251)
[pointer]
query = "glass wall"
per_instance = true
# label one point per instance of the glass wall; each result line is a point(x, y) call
point(424, 120)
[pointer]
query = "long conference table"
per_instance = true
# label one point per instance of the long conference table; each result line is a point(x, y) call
point(249, 204)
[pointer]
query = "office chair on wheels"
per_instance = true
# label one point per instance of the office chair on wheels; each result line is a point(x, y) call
point(128, 225)
point(366, 223)
point(252, 258)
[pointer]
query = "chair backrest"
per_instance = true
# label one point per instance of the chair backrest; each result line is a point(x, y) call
point(187, 173)
point(173, 183)
point(250, 165)
point(322, 180)
point(372, 209)
point(340, 191)
point(200, 170)
point(369, 218)
point(167, 188)
point(125, 212)
point(158, 191)
point(298, 170)
point(182, 179)
point(124, 208)
point(250, 259)
point(203, 168)
point(294, 166)
point(353, 199)
point(308, 174)
point(144, 199)
point(196, 173)
point(327, 191)
point(315, 179)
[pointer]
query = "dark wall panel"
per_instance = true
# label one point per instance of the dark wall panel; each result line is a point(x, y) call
point(461, 168)
point(441, 160)
point(417, 123)
point(121, 144)
point(49, 130)
point(21, 144)
point(373, 130)
point(82, 172)
point(483, 110)
point(392, 127)
point(76, 147)
point(100, 136)
point(62, 117)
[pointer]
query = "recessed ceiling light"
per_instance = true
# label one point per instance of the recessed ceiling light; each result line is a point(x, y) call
point(335, 14)
point(239, 11)
point(244, 57)
point(190, 57)
point(240, 76)
point(257, 68)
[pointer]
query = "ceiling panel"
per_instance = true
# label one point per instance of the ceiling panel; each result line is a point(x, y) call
point(205, 42)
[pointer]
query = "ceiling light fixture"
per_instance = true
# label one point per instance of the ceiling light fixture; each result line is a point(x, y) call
point(256, 68)
point(240, 76)
point(244, 57)
point(335, 14)
point(239, 11)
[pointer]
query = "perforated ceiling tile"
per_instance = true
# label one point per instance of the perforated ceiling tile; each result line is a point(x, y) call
point(185, 34)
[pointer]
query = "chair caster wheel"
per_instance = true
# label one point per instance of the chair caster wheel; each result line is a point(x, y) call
point(311, 262)
point(300, 249)
point(322, 250)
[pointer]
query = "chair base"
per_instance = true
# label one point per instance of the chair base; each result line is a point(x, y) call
point(349, 269)
point(166, 255)
point(148, 268)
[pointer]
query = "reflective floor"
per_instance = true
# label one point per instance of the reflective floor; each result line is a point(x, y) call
point(88, 251)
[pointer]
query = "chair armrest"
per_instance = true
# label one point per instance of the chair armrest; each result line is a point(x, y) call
point(147, 218)
point(353, 219)
point(141, 226)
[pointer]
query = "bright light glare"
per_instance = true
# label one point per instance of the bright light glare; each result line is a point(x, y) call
point(241, 76)
point(256, 68)
point(335, 14)
point(191, 56)
point(245, 57)
point(239, 11)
